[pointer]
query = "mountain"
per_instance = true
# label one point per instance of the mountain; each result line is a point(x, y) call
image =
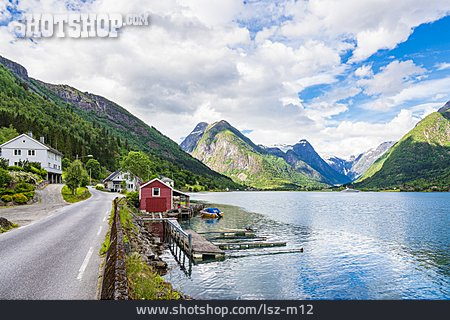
point(83, 123)
point(225, 149)
point(304, 159)
point(189, 143)
point(418, 161)
point(356, 166)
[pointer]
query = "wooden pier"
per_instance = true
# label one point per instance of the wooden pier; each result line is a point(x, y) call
point(202, 249)
point(248, 245)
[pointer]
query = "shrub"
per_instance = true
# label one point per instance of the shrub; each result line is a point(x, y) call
point(20, 198)
point(5, 178)
point(29, 195)
point(100, 187)
point(18, 176)
point(15, 168)
point(23, 187)
point(6, 191)
point(40, 172)
point(6, 198)
point(133, 198)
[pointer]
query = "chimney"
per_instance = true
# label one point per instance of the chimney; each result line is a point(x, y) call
point(30, 134)
point(42, 140)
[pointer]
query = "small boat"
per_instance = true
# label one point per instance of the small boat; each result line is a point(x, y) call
point(211, 213)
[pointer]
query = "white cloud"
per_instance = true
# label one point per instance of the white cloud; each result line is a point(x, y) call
point(396, 76)
point(443, 66)
point(196, 63)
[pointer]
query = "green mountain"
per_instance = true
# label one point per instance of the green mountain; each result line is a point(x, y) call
point(419, 161)
point(225, 149)
point(82, 123)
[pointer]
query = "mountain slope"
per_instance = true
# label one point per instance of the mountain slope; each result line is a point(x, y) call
point(82, 123)
point(189, 143)
point(357, 166)
point(226, 150)
point(418, 161)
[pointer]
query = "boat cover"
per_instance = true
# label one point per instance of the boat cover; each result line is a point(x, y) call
point(212, 210)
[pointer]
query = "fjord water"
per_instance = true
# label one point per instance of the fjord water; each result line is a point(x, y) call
point(356, 246)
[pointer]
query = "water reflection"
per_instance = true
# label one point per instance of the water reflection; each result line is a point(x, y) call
point(357, 246)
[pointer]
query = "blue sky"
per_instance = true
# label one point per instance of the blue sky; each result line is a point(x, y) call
point(345, 75)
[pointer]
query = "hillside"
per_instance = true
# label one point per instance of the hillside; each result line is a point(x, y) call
point(82, 123)
point(419, 161)
point(226, 150)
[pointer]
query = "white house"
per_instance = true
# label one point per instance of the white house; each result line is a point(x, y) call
point(115, 181)
point(24, 147)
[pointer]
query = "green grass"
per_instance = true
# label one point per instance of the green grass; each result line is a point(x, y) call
point(13, 225)
point(107, 242)
point(145, 284)
point(81, 194)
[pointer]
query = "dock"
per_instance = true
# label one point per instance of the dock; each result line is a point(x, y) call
point(202, 249)
point(249, 245)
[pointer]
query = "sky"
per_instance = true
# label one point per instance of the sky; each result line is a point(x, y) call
point(345, 75)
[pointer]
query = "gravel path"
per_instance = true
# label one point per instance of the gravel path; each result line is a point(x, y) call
point(50, 199)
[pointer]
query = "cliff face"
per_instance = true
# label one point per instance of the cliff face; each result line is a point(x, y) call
point(189, 143)
point(15, 68)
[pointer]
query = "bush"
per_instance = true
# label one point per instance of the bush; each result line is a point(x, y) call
point(40, 172)
point(20, 198)
point(133, 198)
point(23, 187)
point(29, 195)
point(15, 168)
point(18, 176)
point(6, 198)
point(100, 187)
point(4, 191)
point(5, 178)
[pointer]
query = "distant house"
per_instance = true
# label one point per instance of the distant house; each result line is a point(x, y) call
point(158, 196)
point(24, 147)
point(117, 180)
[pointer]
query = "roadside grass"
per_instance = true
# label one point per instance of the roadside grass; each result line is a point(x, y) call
point(145, 284)
point(12, 226)
point(81, 194)
point(107, 242)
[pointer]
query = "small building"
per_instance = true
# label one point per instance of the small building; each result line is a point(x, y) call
point(119, 180)
point(158, 196)
point(25, 148)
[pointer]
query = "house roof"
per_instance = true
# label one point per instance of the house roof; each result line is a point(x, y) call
point(111, 176)
point(38, 142)
point(168, 186)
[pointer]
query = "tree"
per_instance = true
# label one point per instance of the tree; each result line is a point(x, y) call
point(4, 163)
point(65, 163)
point(94, 168)
point(138, 164)
point(7, 133)
point(76, 176)
point(5, 178)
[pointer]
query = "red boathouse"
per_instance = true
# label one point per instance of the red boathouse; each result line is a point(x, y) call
point(158, 196)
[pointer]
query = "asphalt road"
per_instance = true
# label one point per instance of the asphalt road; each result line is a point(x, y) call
point(56, 257)
point(50, 199)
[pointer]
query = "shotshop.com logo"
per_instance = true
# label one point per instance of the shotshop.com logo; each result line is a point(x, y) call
point(76, 25)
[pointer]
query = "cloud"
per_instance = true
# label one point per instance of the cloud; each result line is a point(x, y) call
point(443, 66)
point(392, 78)
point(208, 60)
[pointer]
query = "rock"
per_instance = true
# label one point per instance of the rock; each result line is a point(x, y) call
point(5, 224)
point(2, 203)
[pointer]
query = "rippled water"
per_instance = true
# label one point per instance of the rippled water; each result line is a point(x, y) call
point(356, 246)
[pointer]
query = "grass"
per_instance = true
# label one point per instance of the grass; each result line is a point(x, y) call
point(145, 284)
point(107, 242)
point(81, 194)
point(13, 225)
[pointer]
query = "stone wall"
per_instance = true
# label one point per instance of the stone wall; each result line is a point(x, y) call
point(114, 282)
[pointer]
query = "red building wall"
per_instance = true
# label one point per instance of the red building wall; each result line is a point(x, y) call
point(156, 204)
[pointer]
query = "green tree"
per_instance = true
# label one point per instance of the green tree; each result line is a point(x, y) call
point(65, 163)
point(4, 163)
point(94, 168)
point(76, 176)
point(138, 164)
point(5, 178)
point(7, 133)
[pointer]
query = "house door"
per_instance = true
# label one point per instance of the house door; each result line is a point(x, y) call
point(156, 204)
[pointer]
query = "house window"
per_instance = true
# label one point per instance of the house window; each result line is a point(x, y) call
point(156, 192)
point(17, 152)
point(31, 152)
point(49, 165)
